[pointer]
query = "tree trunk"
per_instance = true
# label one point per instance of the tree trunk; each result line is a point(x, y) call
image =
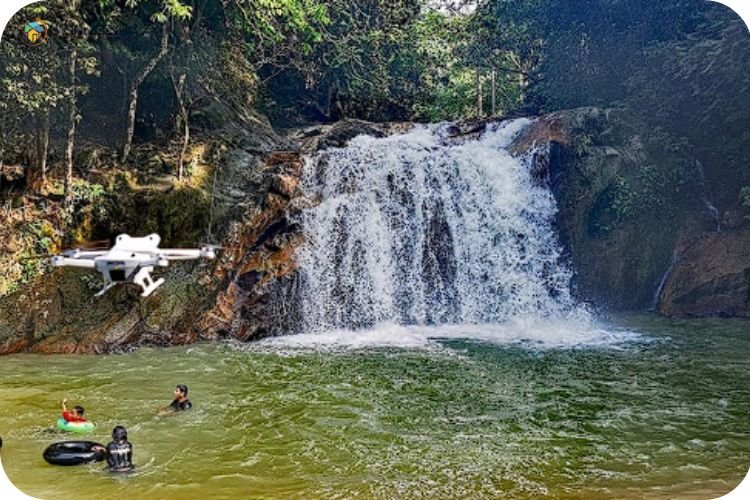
point(185, 142)
point(200, 6)
point(71, 131)
point(135, 86)
point(182, 121)
point(42, 146)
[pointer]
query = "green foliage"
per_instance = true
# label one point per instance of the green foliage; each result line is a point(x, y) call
point(581, 142)
point(43, 235)
point(624, 199)
point(39, 239)
point(85, 192)
point(645, 194)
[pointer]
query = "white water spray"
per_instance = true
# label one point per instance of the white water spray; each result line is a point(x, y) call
point(416, 230)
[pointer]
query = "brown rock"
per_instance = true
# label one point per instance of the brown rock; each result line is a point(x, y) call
point(290, 161)
point(711, 278)
point(545, 130)
point(285, 185)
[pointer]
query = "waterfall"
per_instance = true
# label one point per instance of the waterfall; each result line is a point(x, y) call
point(705, 195)
point(663, 282)
point(421, 229)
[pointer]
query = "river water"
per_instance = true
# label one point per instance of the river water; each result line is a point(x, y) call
point(650, 408)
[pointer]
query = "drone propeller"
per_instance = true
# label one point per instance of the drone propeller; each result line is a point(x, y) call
point(71, 252)
point(35, 257)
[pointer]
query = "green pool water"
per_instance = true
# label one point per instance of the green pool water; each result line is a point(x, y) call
point(660, 413)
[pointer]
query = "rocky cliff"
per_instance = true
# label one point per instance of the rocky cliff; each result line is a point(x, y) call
point(252, 181)
point(246, 294)
point(636, 216)
point(710, 277)
point(633, 216)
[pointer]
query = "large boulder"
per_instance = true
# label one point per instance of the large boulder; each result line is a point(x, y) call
point(711, 277)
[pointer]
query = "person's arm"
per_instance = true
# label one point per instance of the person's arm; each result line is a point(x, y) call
point(64, 408)
point(165, 410)
point(130, 454)
point(110, 460)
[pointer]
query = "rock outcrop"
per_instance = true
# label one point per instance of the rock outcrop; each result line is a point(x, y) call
point(711, 277)
point(627, 197)
point(254, 183)
point(248, 293)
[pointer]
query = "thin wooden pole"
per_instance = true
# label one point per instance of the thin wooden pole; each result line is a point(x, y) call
point(479, 94)
point(494, 108)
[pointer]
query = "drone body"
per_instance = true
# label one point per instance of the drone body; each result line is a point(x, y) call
point(130, 260)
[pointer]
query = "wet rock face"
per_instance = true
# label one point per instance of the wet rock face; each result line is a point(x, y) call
point(258, 267)
point(711, 277)
point(337, 135)
point(622, 218)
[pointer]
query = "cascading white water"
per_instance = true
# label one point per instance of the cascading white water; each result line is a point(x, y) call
point(414, 229)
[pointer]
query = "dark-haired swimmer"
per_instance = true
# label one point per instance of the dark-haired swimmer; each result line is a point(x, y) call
point(119, 451)
point(180, 402)
point(75, 415)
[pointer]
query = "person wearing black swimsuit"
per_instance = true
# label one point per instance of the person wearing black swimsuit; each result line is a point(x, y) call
point(119, 451)
point(181, 402)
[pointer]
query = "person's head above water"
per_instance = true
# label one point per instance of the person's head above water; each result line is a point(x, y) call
point(78, 411)
point(120, 434)
point(180, 391)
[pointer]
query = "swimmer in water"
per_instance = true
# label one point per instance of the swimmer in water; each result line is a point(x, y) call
point(119, 451)
point(75, 415)
point(180, 402)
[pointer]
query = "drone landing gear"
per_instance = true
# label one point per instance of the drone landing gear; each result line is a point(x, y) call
point(104, 290)
point(143, 279)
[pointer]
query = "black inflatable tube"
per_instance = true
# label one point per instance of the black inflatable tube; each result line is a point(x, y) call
point(73, 453)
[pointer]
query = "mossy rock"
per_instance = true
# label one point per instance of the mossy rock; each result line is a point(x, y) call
point(212, 116)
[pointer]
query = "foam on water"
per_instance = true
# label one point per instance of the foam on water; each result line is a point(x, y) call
point(531, 333)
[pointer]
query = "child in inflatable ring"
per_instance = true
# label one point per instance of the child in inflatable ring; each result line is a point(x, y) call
point(75, 415)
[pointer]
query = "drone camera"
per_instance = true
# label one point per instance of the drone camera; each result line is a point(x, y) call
point(117, 271)
point(117, 274)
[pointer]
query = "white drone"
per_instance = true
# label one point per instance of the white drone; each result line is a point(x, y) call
point(131, 260)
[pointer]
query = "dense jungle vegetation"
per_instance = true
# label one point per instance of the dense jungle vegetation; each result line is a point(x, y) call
point(116, 75)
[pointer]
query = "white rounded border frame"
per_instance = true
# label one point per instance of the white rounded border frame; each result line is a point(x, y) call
point(9, 7)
